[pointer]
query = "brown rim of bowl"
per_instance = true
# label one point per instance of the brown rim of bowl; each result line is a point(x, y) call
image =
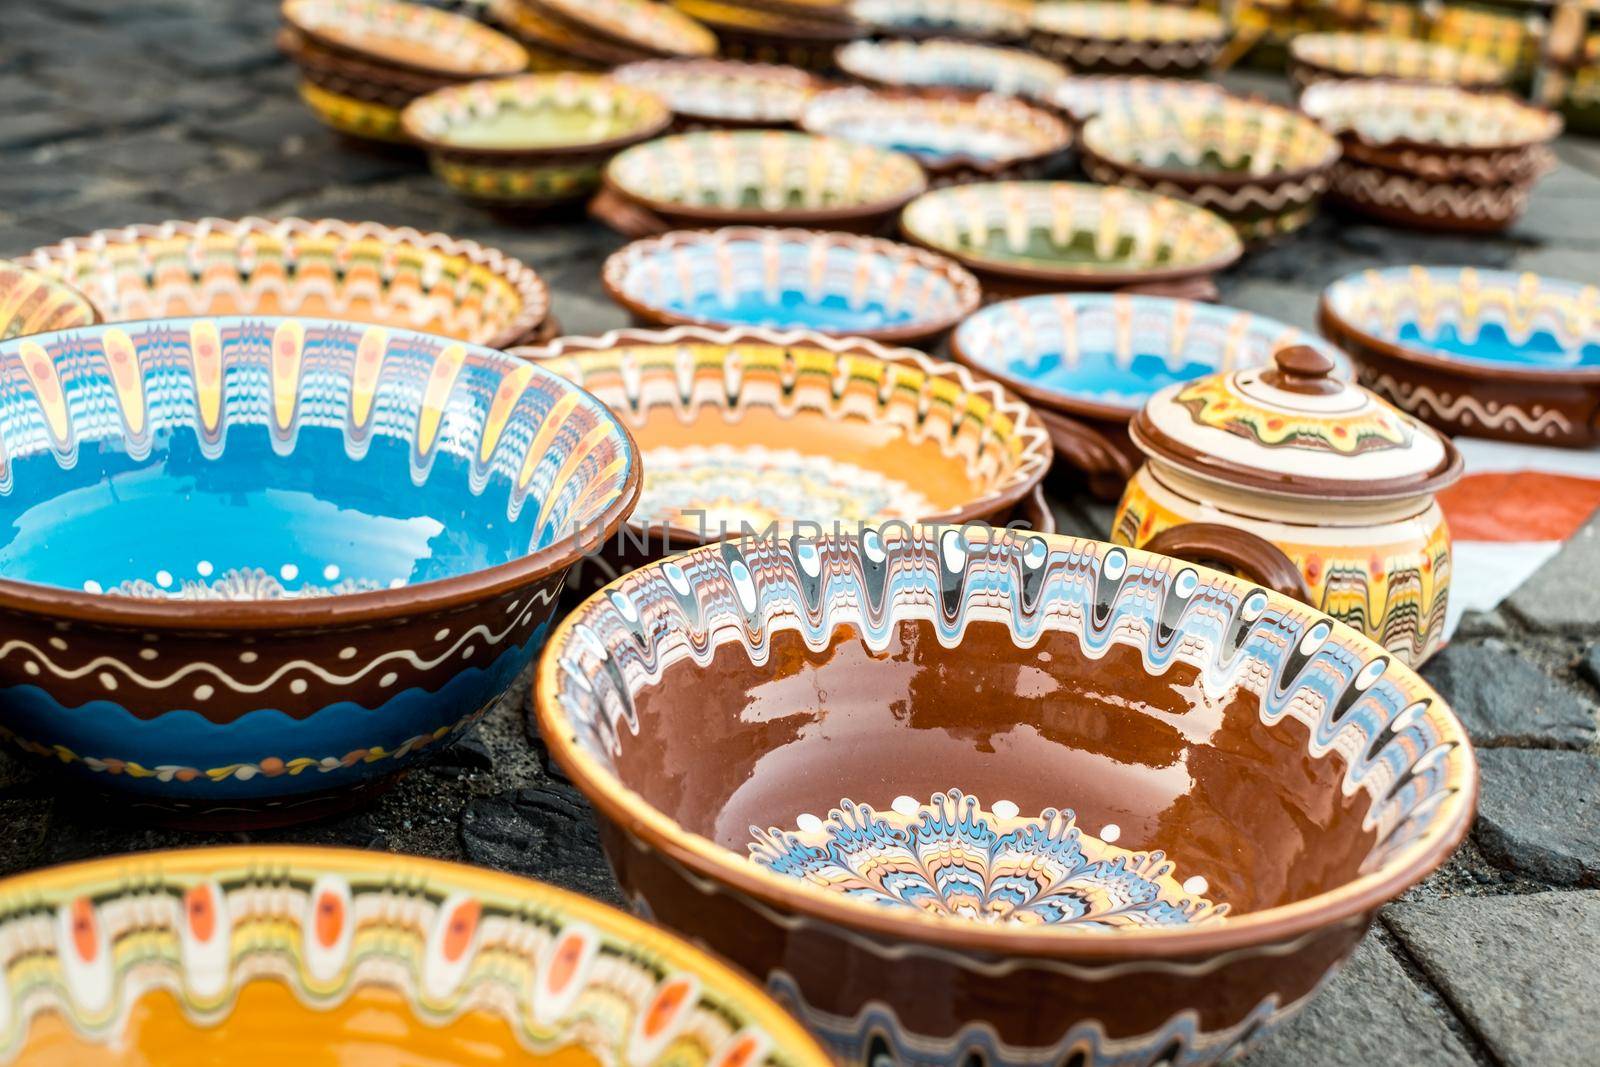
point(586, 24)
point(981, 265)
point(411, 124)
point(312, 58)
point(1353, 338)
point(1553, 119)
point(1335, 73)
point(1275, 925)
point(801, 217)
point(533, 29)
point(527, 282)
point(287, 12)
point(968, 293)
point(1035, 439)
point(346, 609)
point(776, 21)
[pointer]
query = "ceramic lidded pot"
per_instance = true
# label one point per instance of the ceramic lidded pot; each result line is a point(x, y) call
point(1310, 484)
point(723, 92)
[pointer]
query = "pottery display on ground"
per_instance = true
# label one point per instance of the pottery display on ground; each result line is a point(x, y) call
point(1482, 352)
point(756, 178)
point(33, 301)
point(327, 268)
point(1304, 482)
point(1080, 97)
point(1021, 238)
point(957, 67)
point(1004, 21)
point(1127, 38)
point(956, 140)
point(1262, 167)
point(794, 34)
point(317, 956)
point(934, 787)
point(642, 26)
point(723, 92)
point(1088, 362)
point(1433, 156)
point(1315, 57)
point(337, 545)
point(838, 284)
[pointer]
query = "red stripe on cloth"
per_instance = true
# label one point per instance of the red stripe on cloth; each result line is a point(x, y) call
point(1519, 506)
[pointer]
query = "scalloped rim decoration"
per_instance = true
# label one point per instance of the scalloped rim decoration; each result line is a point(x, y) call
point(1083, 96)
point(437, 120)
point(723, 90)
point(35, 301)
point(642, 24)
point(1383, 113)
point(963, 66)
point(440, 42)
point(1371, 55)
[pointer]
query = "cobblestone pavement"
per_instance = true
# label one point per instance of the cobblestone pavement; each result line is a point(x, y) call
point(126, 111)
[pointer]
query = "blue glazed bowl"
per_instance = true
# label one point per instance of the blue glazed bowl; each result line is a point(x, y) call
point(836, 284)
point(249, 566)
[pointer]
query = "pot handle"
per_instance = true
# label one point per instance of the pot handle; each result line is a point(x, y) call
point(1202, 288)
point(1086, 449)
point(1035, 511)
point(626, 217)
point(1256, 558)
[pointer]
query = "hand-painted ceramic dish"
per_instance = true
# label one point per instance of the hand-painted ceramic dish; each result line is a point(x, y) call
point(1303, 482)
point(758, 429)
point(1080, 97)
point(653, 28)
point(1021, 238)
point(761, 32)
point(33, 301)
point(1127, 38)
point(958, 67)
point(1262, 167)
point(253, 565)
point(959, 768)
point(837, 284)
point(554, 46)
point(1089, 361)
point(357, 271)
point(272, 954)
point(759, 177)
point(956, 140)
point(407, 37)
point(727, 93)
point(978, 20)
point(1433, 155)
point(534, 140)
point(1315, 57)
point(1480, 352)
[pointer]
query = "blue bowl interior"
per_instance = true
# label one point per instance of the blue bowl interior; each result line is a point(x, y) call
point(322, 457)
point(1118, 350)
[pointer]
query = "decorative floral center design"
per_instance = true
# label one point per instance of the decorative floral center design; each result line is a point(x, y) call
point(954, 859)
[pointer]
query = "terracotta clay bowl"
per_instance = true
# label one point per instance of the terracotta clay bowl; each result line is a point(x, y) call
point(1433, 156)
point(957, 67)
point(758, 178)
point(338, 545)
point(949, 791)
point(1089, 361)
point(749, 429)
point(1262, 167)
point(1080, 97)
point(955, 140)
point(1315, 57)
point(643, 25)
point(534, 140)
point(1021, 238)
point(406, 37)
point(1127, 38)
point(976, 20)
point(1480, 352)
point(837, 284)
point(316, 956)
point(770, 33)
point(356, 271)
point(34, 302)
point(723, 92)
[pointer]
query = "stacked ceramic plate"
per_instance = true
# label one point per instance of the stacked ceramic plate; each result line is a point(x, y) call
point(1315, 57)
point(797, 33)
point(1128, 38)
point(362, 61)
point(1433, 155)
point(599, 34)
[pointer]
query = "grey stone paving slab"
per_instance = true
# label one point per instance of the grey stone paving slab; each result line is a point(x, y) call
point(1502, 697)
point(1564, 594)
point(1518, 969)
point(1539, 813)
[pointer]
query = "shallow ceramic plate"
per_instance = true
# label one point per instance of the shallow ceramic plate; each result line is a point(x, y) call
point(1431, 116)
point(992, 20)
point(724, 92)
point(36, 302)
point(321, 957)
point(411, 36)
point(1089, 35)
point(655, 28)
point(1083, 96)
point(833, 283)
point(1320, 56)
point(359, 271)
point(958, 66)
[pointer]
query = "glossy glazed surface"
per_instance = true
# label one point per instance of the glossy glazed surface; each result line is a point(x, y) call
point(992, 130)
point(36, 302)
point(1357, 55)
point(535, 112)
point(723, 90)
point(959, 65)
point(412, 35)
point(1083, 96)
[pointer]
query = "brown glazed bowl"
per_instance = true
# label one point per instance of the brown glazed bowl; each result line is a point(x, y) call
point(1316, 57)
point(33, 301)
point(357, 271)
point(1128, 38)
point(965, 796)
point(794, 35)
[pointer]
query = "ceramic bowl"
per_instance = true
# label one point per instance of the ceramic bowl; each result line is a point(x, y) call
point(1080, 97)
point(837, 284)
point(354, 96)
point(1127, 38)
point(534, 140)
point(725, 93)
point(757, 32)
point(315, 956)
point(758, 177)
point(958, 67)
point(1434, 156)
point(356, 271)
point(753, 428)
point(1315, 57)
point(554, 46)
point(1089, 361)
point(1480, 352)
point(337, 545)
point(34, 302)
point(955, 140)
point(643, 25)
point(406, 37)
point(929, 783)
point(1021, 238)
point(1262, 167)
point(980, 20)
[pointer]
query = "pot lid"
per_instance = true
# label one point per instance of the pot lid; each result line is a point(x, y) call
point(1294, 429)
